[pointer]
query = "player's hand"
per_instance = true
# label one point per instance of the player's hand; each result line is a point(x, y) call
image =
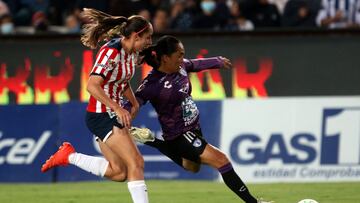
point(226, 62)
point(124, 117)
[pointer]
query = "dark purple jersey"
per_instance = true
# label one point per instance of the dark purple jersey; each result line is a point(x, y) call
point(170, 95)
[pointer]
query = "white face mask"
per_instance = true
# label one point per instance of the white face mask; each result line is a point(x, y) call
point(7, 28)
point(208, 6)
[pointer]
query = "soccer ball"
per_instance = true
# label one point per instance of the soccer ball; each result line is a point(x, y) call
point(308, 201)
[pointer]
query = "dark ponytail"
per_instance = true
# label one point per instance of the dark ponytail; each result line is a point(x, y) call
point(104, 26)
point(166, 45)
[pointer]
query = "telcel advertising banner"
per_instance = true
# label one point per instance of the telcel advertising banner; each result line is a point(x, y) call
point(26, 132)
point(297, 139)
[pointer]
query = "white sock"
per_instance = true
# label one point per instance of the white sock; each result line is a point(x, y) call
point(138, 191)
point(92, 164)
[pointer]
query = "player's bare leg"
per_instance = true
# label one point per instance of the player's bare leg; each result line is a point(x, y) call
point(123, 146)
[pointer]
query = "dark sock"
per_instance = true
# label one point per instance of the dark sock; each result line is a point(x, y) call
point(233, 181)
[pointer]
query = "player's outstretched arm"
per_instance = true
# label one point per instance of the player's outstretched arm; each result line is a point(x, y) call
point(196, 65)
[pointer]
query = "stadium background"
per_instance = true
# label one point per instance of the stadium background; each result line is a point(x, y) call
point(289, 111)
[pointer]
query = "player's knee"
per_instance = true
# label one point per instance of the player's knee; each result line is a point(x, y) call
point(192, 167)
point(116, 167)
point(117, 172)
point(137, 163)
point(120, 176)
point(221, 159)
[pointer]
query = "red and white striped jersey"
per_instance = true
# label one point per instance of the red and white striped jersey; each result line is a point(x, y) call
point(117, 68)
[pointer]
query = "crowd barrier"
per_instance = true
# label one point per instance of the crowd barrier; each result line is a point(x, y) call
point(273, 140)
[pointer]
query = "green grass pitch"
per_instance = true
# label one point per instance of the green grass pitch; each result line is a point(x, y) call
point(176, 192)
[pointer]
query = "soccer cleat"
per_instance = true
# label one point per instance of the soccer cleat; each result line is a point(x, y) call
point(60, 158)
point(142, 135)
point(260, 200)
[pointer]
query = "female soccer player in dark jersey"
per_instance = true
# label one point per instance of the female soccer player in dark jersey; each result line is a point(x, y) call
point(106, 118)
point(167, 87)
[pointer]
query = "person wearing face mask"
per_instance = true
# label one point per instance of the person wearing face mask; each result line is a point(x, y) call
point(208, 6)
point(209, 18)
point(6, 25)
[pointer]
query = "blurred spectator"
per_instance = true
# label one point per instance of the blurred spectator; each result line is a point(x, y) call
point(339, 14)
point(58, 10)
point(4, 9)
point(160, 21)
point(212, 17)
point(222, 12)
point(28, 8)
point(21, 13)
point(8, 6)
point(40, 22)
point(280, 4)
point(101, 5)
point(6, 25)
point(36, 5)
point(237, 20)
point(121, 7)
point(6, 22)
point(182, 14)
point(299, 13)
point(150, 5)
point(145, 13)
point(72, 24)
point(262, 13)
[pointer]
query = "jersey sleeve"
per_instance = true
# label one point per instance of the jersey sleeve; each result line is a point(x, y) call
point(144, 92)
point(106, 60)
point(196, 65)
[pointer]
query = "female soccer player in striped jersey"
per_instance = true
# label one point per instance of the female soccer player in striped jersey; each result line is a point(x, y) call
point(106, 118)
point(167, 87)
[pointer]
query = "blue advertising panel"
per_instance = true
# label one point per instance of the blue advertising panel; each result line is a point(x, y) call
point(72, 128)
point(157, 166)
point(27, 135)
point(30, 134)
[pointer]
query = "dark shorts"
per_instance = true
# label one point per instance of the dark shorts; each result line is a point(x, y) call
point(101, 124)
point(190, 145)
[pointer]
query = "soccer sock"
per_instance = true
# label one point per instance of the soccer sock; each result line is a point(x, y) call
point(92, 164)
point(138, 191)
point(233, 181)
